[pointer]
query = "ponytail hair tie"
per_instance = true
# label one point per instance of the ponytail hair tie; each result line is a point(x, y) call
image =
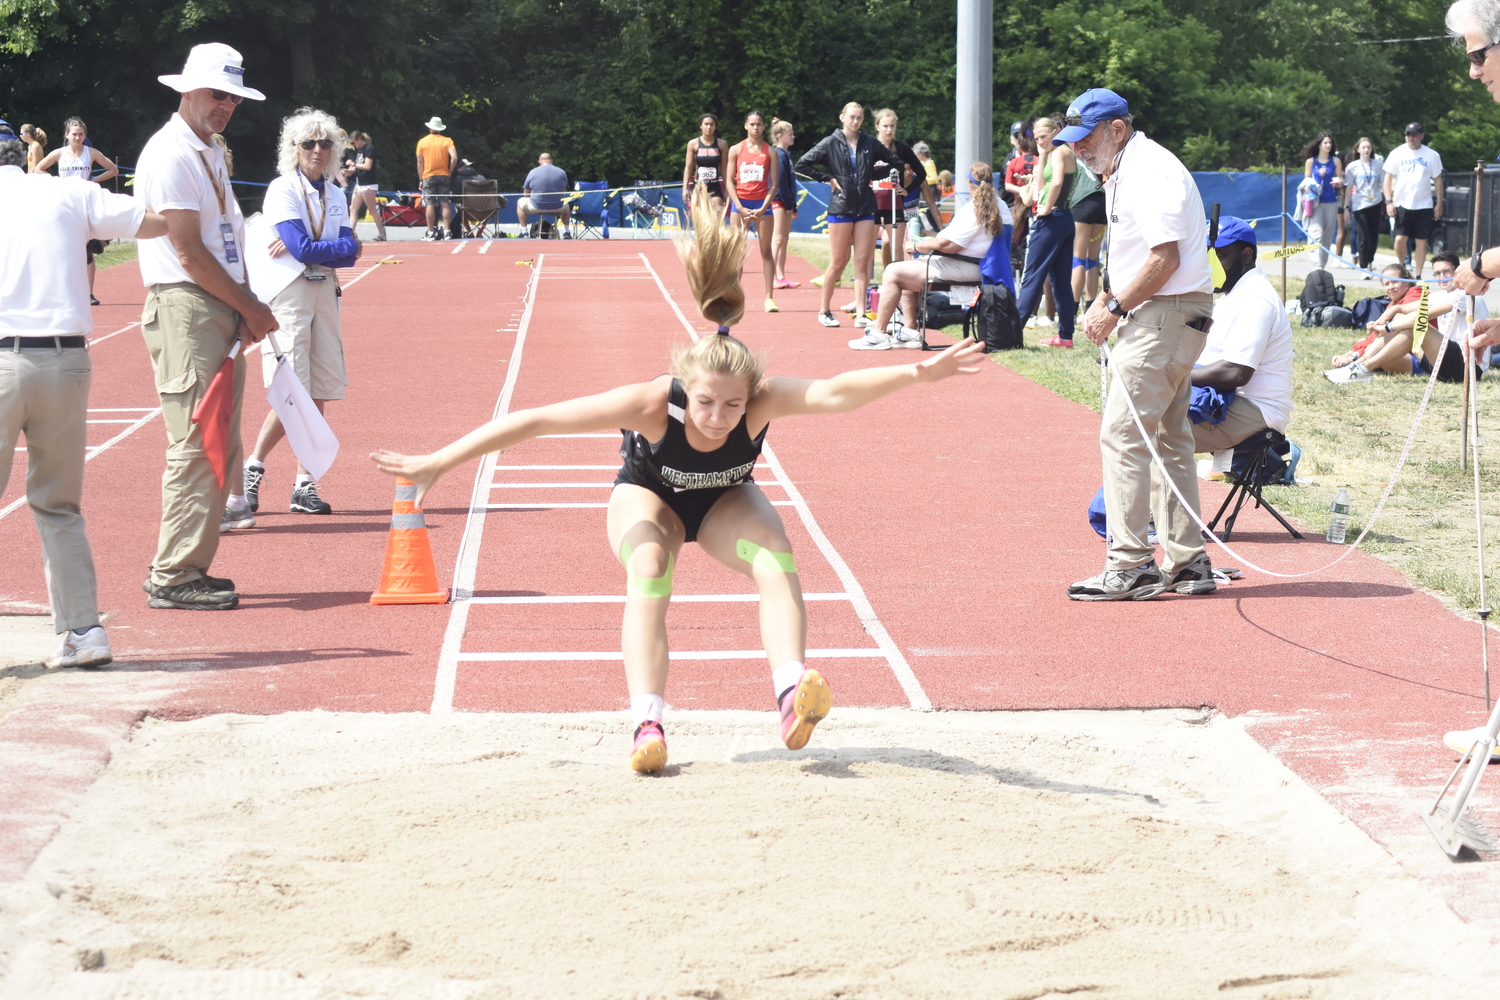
point(723, 331)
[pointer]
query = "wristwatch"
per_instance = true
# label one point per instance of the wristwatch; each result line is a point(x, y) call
point(1113, 305)
point(1474, 263)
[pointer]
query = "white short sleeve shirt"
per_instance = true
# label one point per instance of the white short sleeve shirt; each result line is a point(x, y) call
point(1250, 328)
point(1455, 324)
point(44, 279)
point(178, 170)
point(1153, 200)
point(1412, 173)
point(292, 197)
point(964, 229)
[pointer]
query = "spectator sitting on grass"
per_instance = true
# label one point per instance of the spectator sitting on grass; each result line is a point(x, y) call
point(1249, 347)
point(1447, 309)
point(1381, 349)
point(543, 190)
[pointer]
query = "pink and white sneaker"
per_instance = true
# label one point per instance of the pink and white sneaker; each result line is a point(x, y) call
point(650, 753)
point(803, 707)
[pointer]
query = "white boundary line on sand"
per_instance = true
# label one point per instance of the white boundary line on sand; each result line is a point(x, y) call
point(468, 546)
point(905, 676)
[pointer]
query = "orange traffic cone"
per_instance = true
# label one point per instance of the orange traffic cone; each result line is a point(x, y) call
point(409, 577)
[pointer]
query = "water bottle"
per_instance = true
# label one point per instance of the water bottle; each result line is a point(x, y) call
point(1338, 521)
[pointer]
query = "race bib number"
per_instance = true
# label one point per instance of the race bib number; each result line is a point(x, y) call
point(752, 173)
point(708, 175)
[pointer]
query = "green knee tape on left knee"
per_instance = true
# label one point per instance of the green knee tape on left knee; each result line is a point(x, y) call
point(646, 586)
point(762, 558)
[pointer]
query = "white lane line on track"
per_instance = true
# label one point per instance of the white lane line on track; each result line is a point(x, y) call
point(905, 676)
point(366, 272)
point(620, 598)
point(89, 455)
point(579, 506)
point(95, 341)
point(712, 654)
point(486, 247)
point(460, 247)
point(468, 546)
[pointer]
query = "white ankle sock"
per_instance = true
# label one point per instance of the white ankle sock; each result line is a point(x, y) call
point(646, 708)
point(786, 676)
point(236, 502)
point(251, 463)
point(303, 479)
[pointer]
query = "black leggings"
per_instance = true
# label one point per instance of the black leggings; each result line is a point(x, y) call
point(1367, 225)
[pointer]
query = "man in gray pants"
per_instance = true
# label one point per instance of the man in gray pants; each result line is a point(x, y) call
point(45, 372)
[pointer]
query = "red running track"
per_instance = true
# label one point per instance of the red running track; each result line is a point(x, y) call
point(957, 508)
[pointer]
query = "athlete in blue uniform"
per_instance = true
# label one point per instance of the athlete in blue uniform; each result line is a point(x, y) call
point(690, 442)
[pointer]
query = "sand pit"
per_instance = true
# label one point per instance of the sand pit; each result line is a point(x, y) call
point(1006, 855)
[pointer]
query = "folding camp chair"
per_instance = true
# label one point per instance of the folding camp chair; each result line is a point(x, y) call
point(482, 204)
point(996, 265)
point(591, 203)
point(1247, 485)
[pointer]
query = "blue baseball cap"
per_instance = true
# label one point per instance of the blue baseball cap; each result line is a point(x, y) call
point(1089, 109)
point(1233, 229)
point(1015, 127)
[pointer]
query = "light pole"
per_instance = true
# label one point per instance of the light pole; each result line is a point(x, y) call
point(974, 105)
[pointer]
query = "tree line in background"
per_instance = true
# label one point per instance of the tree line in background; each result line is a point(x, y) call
point(613, 87)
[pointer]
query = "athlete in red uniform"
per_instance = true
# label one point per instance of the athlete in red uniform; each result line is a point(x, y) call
point(754, 174)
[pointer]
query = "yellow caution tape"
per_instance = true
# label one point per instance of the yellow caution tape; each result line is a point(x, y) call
point(1419, 332)
point(1286, 251)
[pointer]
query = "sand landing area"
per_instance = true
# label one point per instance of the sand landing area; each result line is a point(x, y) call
point(998, 855)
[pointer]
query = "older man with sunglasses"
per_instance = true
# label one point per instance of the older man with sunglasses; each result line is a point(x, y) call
point(1158, 283)
point(198, 304)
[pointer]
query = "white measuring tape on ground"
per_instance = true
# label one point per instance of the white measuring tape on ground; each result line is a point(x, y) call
point(1400, 462)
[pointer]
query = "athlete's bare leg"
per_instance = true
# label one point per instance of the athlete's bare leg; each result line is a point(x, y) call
point(745, 513)
point(655, 533)
point(864, 262)
point(840, 240)
point(782, 227)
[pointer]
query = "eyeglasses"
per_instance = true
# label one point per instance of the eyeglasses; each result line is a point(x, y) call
point(1476, 58)
point(220, 96)
point(1444, 274)
point(317, 143)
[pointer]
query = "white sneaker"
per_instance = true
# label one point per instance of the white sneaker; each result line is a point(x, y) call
point(873, 340)
point(905, 339)
point(828, 319)
point(864, 322)
point(1460, 740)
point(1043, 321)
point(1352, 372)
point(849, 307)
point(88, 650)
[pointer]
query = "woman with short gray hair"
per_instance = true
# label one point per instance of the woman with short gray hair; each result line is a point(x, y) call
point(312, 225)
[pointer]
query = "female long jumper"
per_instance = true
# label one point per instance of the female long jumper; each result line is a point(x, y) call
point(690, 442)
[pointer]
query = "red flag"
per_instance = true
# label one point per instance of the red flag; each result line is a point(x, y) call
point(212, 415)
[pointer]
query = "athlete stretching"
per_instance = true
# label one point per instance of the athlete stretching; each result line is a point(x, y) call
point(690, 443)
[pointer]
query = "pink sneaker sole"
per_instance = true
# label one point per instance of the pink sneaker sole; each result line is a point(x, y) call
point(785, 283)
point(1054, 342)
point(650, 752)
point(803, 708)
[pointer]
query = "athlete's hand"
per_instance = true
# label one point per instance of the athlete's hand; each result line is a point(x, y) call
point(964, 357)
point(420, 469)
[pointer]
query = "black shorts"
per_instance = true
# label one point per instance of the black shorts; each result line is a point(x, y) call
point(94, 247)
point(1416, 223)
point(1090, 210)
point(692, 506)
point(436, 185)
point(1452, 368)
point(894, 215)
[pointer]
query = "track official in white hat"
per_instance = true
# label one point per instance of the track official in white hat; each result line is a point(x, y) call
point(199, 302)
point(1159, 284)
point(45, 371)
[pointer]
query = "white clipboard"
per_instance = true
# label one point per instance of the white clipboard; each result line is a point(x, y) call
point(268, 275)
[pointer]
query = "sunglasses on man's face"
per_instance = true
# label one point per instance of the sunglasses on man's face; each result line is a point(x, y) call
point(1477, 56)
point(317, 144)
point(220, 96)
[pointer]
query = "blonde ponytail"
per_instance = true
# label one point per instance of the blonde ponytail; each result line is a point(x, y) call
point(713, 258)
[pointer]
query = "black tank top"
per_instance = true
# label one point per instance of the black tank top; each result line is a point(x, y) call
point(709, 158)
point(671, 465)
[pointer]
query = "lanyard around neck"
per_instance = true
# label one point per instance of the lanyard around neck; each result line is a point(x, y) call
point(317, 227)
point(214, 180)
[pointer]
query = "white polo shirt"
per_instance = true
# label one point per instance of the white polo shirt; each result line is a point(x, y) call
point(1153, 200)
point(44, 278)
point(1412, 173)
point(173, 172)
point(1250, 328)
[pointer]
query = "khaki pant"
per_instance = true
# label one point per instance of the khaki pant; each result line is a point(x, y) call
point(310, 336)
point(1242, 419)
point(45, 393)
point(189, 333)
point(1153, 363)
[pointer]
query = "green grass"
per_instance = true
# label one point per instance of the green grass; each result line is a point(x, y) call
point(116, 253)
point(1351, 435)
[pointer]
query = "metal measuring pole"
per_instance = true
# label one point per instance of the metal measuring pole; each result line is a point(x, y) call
point(1476, 199)
point(1283, 235)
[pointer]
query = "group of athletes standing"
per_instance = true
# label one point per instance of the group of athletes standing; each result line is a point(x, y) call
point(871, 180)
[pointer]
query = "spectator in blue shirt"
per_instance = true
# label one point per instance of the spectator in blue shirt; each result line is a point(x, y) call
point(542, 192)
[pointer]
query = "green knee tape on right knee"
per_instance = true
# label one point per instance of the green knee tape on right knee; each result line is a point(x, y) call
point(762, 558)
point(646, 586)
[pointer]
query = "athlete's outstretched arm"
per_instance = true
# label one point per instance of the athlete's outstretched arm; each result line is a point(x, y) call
point(640, 407)
point(789, 396)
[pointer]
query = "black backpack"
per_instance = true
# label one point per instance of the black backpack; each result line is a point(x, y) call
point(1319, 290)
point(997, 324)
point(1328, 315)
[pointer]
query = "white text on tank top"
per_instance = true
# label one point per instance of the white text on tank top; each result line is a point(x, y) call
point(69, 165)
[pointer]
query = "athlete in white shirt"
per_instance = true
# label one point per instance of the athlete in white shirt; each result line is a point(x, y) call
point(1159, 283)
point(1249, 348)
point(45, 372)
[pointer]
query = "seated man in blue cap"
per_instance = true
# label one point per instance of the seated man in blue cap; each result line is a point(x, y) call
point(1248, 354)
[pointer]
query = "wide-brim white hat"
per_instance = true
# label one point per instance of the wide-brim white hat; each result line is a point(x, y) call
point(214, 66)
point(436, 124)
